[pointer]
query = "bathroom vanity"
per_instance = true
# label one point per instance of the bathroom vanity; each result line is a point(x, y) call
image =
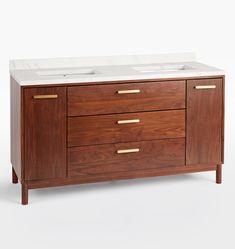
point(94, 119)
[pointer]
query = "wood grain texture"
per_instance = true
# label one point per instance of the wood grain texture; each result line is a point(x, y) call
point(45, 134)
point(104, 99)
point(173, 170)
point(100, 159)
point(102, 129)
point(38, 131)
point(204, 122)
point(16, 128)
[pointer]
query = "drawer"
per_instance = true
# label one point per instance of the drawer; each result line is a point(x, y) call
point(117, 128)
point(88, 160)
point(119, 98)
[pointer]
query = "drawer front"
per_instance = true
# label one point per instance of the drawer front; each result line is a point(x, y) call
point(121, 98)
point(119, 128)
point(88, 160)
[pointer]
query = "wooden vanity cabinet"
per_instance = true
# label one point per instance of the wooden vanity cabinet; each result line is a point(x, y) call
point(79, 133)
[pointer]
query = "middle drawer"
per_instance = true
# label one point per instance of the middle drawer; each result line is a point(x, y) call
point(102, 129)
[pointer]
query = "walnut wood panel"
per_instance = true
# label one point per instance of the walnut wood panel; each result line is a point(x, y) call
point(101, 129)
point(45, 134)
point(39, 132)
point(223, 113)
point(16, 128)
point(104, 99)
point(173, 170)
point(204, 122)
point(99, 159)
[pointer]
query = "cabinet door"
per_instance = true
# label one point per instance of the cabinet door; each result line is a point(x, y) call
point(204, 121)
point(44, 133)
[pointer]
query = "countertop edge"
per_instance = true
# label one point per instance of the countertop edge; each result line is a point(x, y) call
point(28, 83)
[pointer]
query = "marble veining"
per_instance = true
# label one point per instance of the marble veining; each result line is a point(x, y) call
point(108, 68)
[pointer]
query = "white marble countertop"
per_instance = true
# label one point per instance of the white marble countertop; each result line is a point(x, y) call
point(108, 68)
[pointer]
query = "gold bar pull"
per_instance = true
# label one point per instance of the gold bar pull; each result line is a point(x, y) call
point(51, 96)
point(130, 121)
point(128, 91)
point(205, 87)
point(128, 151)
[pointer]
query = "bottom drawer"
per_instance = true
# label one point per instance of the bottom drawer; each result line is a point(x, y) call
point(92, 160)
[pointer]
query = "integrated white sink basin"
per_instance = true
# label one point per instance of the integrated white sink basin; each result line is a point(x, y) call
point(163, 68)
point(62, 73)
point(108, 68)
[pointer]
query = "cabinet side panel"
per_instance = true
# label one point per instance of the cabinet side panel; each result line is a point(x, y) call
point(45, 133)
point(204, 121)
point(15, 106)
point(223, 120)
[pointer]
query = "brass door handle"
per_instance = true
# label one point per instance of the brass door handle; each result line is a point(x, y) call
point(51, 96)
point(205, 87)
point(128, 91)
point(128, 151)
point(130, 121)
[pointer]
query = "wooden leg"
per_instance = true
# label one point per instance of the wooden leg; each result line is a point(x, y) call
point(24, 194)
point(219, 174)
point(14, 176)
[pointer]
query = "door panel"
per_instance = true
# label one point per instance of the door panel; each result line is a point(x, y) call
point(45, 132)
point(204, 121)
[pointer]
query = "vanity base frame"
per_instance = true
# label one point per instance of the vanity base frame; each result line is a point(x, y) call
point(50, 147)
point(119, 176)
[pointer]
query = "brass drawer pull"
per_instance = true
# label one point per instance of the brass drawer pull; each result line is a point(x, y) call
point(128, 151)
point(128, 91)
point(51, 96)
point(130, 121)
point(205, 87)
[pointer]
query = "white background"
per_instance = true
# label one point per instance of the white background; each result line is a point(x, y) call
point(188, 211)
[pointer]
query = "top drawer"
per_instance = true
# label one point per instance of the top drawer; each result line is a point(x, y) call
point(121, 98)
